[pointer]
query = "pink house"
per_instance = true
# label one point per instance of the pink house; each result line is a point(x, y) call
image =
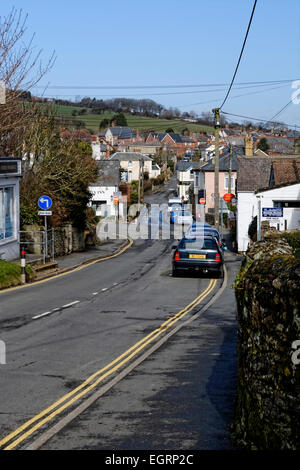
point(209, 169)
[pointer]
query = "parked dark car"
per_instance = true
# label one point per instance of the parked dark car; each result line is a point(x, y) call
point(198, 254)
point(198, 231)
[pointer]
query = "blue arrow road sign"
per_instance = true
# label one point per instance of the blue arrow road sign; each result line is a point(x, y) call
point(45, 202)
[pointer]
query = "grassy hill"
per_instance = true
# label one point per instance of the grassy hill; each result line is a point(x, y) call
point(92, 121)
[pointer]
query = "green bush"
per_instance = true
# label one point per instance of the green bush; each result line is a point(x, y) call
point(293, 238)
point(133, 197)
point(134, 185)
point(10, 274)
point(29, 215)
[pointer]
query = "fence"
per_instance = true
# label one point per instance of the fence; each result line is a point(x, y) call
point(39, 242)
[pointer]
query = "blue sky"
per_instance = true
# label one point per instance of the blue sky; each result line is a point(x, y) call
point(100, 43)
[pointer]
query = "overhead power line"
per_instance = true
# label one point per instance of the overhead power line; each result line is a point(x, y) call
point(241, 53)
point(235, 96)
point(259, 119)
point(281, 110)
point(135, 87)
point(171, 93)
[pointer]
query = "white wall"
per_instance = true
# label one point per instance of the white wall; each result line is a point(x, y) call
point(247, 209)
point(103, 193)
point(290, 214)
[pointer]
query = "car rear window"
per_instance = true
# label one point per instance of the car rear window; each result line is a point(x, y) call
point(198, 244)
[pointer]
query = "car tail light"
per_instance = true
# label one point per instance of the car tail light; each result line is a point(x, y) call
point(218, 257)
point(177, 256)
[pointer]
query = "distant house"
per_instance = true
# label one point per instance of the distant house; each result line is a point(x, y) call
point(105, 187)
point(114, 135)
point(10, 174)
point(209, 178)
point(156, 171)
point(132, 164)
point(99, 150)
point(185, 178)
point(258, 177)
point(174, 142)
point(141, 147)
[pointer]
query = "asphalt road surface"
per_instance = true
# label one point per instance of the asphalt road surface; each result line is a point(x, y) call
point(120, 355)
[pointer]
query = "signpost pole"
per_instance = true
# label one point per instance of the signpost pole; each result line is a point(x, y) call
point(46, 237)
point(259, 220)
point(45, 203)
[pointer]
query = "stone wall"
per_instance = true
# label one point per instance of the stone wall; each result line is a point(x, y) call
point(68, 239)
point(267, 414)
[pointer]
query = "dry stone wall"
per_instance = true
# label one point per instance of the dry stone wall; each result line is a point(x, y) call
point(267, 414)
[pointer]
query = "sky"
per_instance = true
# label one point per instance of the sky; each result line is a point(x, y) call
point(167, 43)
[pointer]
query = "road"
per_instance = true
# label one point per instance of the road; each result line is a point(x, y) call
point(69, 339)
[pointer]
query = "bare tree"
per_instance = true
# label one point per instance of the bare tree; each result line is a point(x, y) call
point(20, 70)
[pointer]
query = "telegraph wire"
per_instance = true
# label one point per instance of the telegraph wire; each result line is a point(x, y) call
point(241, 53)
point(259, 119)
point(135, 87)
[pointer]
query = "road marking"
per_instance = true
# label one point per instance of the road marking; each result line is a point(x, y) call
point(57, 309)
point(41, 315)
point(71, 303)
point(100, 375)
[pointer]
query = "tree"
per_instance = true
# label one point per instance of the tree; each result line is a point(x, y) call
point(103, 124)
point(20, 70)
point(119, 120)
point(263, 144)
point(169, 130)
point(62, 168)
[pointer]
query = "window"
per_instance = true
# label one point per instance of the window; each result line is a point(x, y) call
point(294, 204)
point(226, 181)
point(130, 164)
point(198, 244)
point(7, 210)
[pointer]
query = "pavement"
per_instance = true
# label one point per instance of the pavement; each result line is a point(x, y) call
point(73, 260)
point(107, 247)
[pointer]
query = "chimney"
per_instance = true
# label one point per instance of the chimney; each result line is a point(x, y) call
point(249, 145)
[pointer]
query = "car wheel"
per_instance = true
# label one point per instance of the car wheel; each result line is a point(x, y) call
point(221, 273)
point(174, 272)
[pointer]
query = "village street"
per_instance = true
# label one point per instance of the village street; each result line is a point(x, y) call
point(114, 312)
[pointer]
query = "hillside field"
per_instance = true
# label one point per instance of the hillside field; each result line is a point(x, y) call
point(92, 121)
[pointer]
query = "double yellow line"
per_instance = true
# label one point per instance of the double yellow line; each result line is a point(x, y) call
point(29, 427)
point(72, 270)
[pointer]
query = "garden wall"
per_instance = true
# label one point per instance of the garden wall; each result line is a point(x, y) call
point(267, 414)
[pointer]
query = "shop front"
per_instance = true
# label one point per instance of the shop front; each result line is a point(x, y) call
point(10, 173)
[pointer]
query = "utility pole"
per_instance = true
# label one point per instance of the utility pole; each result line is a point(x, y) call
point(216, 112)
point(230, 169)
point(229, 180)
point(139, 185)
